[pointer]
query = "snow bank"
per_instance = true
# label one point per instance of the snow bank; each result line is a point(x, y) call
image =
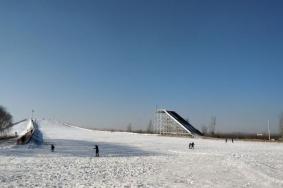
point(135, 160)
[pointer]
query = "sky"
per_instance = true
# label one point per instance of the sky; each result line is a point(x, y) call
point(108, 63)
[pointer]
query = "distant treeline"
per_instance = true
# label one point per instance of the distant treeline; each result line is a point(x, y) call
point(244, 136)
point(5, 122)
point(215, 135)
point(122, 130)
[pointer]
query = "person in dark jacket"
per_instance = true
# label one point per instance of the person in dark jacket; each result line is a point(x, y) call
point(96, 151)
point(192, 145)
point(52, 147)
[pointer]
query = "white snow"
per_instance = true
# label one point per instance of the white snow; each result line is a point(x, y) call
point(22, 128)
point(136, 160)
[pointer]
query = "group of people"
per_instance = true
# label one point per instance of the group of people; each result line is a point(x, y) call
point(52, 147)
point(192, 145)
point(232, 140)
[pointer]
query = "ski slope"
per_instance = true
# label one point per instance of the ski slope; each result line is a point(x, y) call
point(137, 160)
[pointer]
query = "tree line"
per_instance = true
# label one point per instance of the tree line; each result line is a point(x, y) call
point(149, 129)
point(6, 120)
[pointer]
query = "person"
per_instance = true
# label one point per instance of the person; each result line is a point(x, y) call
point(232, 140)
point(52, 147)
point(191, 145)
point(96, 151)
point(226, 140)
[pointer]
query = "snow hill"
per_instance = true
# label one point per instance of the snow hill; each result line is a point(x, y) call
point(137, 160)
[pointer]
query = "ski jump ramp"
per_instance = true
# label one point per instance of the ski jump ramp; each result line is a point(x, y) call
point(170, 122)
point(30, 134)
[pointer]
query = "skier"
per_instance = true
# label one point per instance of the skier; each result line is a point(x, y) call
point(52, 147)
point(232, 140)
point(96, 151)
point(226, 140)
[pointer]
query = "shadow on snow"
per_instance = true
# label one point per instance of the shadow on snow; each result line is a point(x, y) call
point(74, 148)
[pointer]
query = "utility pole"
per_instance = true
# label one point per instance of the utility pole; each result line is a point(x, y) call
point(268, 130)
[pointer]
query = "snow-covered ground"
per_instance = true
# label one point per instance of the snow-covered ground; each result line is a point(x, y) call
point(135, 160)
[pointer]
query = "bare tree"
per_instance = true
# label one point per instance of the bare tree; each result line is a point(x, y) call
point(188, 120)
point(5, 120)
point(212, 125)
point(129, 127)
point(281, 124)
point(149, 127)
point(204, 130)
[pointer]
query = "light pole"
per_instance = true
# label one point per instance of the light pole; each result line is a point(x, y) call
point(268, 130)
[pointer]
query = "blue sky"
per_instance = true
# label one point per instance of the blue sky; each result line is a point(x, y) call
point(109, 63)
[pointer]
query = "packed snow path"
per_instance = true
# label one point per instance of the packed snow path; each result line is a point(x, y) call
point(135, 160)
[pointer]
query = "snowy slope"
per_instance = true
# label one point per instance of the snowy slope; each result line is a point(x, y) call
point(135, 160)
point(20, 128)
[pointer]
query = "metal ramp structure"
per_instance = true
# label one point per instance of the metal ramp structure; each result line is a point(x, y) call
point(171, 123)
point(30, 134)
